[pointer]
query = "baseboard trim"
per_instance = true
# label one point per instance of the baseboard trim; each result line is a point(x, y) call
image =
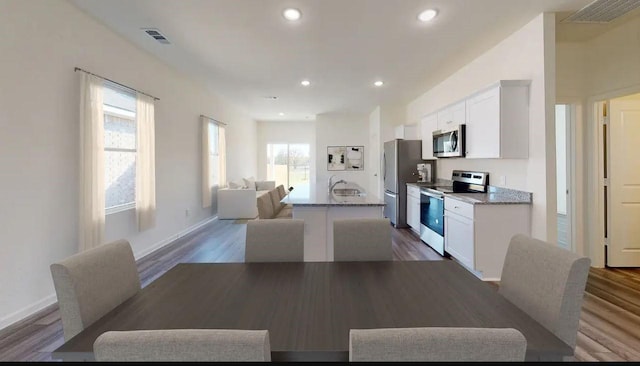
point(174, 237)
point(31, 310)
point(25, 313)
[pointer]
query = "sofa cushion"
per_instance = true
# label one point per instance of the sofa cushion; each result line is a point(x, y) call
point(264, 185)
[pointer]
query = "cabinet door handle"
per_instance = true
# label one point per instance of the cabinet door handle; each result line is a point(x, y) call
point(456, 207)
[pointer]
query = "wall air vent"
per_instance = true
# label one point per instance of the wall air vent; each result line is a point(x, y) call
point(602, 11)
point(155, 34)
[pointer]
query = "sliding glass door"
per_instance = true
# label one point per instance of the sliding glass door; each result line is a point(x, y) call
point(289, 165)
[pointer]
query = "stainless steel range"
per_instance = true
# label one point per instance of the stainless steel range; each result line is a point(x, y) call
point(432, 204)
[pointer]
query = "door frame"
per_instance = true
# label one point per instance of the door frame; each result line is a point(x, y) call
point(594, 230)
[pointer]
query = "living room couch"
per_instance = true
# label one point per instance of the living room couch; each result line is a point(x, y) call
point(241, 203)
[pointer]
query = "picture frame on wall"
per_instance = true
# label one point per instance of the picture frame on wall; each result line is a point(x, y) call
point(355, 158)
point(336, 156)
point(345, 158)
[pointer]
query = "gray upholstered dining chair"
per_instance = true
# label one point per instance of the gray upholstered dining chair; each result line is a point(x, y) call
point(277, 240)
point(546, 282)
point(282, 193)
point(91, 283)
point(437, 344)
point(265, 207)
point(186, 345)
point(362, 240)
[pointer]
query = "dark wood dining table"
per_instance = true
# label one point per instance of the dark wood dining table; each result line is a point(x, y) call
point(309, 307)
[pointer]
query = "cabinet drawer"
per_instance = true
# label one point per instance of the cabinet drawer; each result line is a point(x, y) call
point(461, 208)
point(413, 191)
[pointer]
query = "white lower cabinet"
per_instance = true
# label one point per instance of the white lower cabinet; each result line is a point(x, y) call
point(478, 235)
point(458, 231)
point(413, 208)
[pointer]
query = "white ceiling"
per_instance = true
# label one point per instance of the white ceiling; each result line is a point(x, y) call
point(244, 50)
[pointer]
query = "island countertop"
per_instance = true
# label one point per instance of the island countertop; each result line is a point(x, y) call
point(319, 197)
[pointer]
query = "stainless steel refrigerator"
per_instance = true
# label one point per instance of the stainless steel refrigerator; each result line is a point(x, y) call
point(400, 162)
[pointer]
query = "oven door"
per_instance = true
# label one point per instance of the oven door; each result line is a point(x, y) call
point(432, 212)
point(432, 220)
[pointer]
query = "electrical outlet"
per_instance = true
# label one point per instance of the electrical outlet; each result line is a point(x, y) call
point(503, 180)
point(186, 213)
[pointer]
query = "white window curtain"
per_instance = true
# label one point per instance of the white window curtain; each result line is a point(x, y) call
point(214, 158)
point(92, 196)
point(145, 163)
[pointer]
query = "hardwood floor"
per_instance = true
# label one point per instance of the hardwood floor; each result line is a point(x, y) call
point(609, 323)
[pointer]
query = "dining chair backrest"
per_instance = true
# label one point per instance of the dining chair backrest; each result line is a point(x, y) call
point(91, 283)
point(437, 344)
point(186, 345)
point(362, 240)
point(275, 201)
point(277, 240)
point(281, 192)
point(265, 207)
point(546, 282)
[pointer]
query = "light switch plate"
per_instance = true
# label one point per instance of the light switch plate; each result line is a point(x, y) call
point(503, 180)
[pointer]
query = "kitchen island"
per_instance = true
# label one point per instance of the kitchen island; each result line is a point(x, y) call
point(319, 209)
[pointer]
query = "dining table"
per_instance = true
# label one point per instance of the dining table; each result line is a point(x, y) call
point(310, 307)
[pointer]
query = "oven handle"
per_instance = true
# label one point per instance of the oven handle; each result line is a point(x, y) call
point(431, 194)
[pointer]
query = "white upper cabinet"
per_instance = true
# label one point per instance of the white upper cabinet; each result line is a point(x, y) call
point(406, 132)
point(452, 116)
point(497, 123)
point(428, 124)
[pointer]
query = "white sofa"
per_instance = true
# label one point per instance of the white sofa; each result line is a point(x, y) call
point(237, 203)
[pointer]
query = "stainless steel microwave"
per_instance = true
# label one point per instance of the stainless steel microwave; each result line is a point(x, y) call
point(449, 143)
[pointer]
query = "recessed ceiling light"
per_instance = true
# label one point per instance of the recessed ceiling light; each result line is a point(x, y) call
point(427, 15)
point(291, 14)
point(378, 83)
point(305, 83)
point(281, 113)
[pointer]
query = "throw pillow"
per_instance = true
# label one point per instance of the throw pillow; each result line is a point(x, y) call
point(250, 182)
point(235, 185)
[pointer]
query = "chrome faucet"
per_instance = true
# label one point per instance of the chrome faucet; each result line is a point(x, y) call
point(329, 183)
point(335, 184)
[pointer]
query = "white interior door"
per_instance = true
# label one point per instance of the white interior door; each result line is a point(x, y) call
point(624, 182)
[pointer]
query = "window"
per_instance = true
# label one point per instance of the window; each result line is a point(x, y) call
point(119, 149)
point(289, 165)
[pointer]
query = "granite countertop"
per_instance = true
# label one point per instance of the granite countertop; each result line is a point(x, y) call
point(490, 198)
point(318, 196)
point(494, 196)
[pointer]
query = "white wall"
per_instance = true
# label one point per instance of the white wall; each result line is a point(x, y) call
point(561, 158)
point(41, 43)
point(519, 56)
point(604, 67)
point(374, 155)
point(285, 133)
point(341, 129)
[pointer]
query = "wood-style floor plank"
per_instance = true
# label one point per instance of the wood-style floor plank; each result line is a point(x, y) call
point(609, 328)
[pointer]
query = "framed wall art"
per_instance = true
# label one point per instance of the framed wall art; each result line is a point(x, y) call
point(345, 158)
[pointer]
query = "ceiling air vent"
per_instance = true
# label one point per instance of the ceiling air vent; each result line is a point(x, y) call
point(156, 35)
point(602, 11)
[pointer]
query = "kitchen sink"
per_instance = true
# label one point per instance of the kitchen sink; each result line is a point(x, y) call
point(347, 192)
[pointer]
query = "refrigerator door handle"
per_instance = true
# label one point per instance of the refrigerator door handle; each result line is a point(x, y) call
point(384, 166)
